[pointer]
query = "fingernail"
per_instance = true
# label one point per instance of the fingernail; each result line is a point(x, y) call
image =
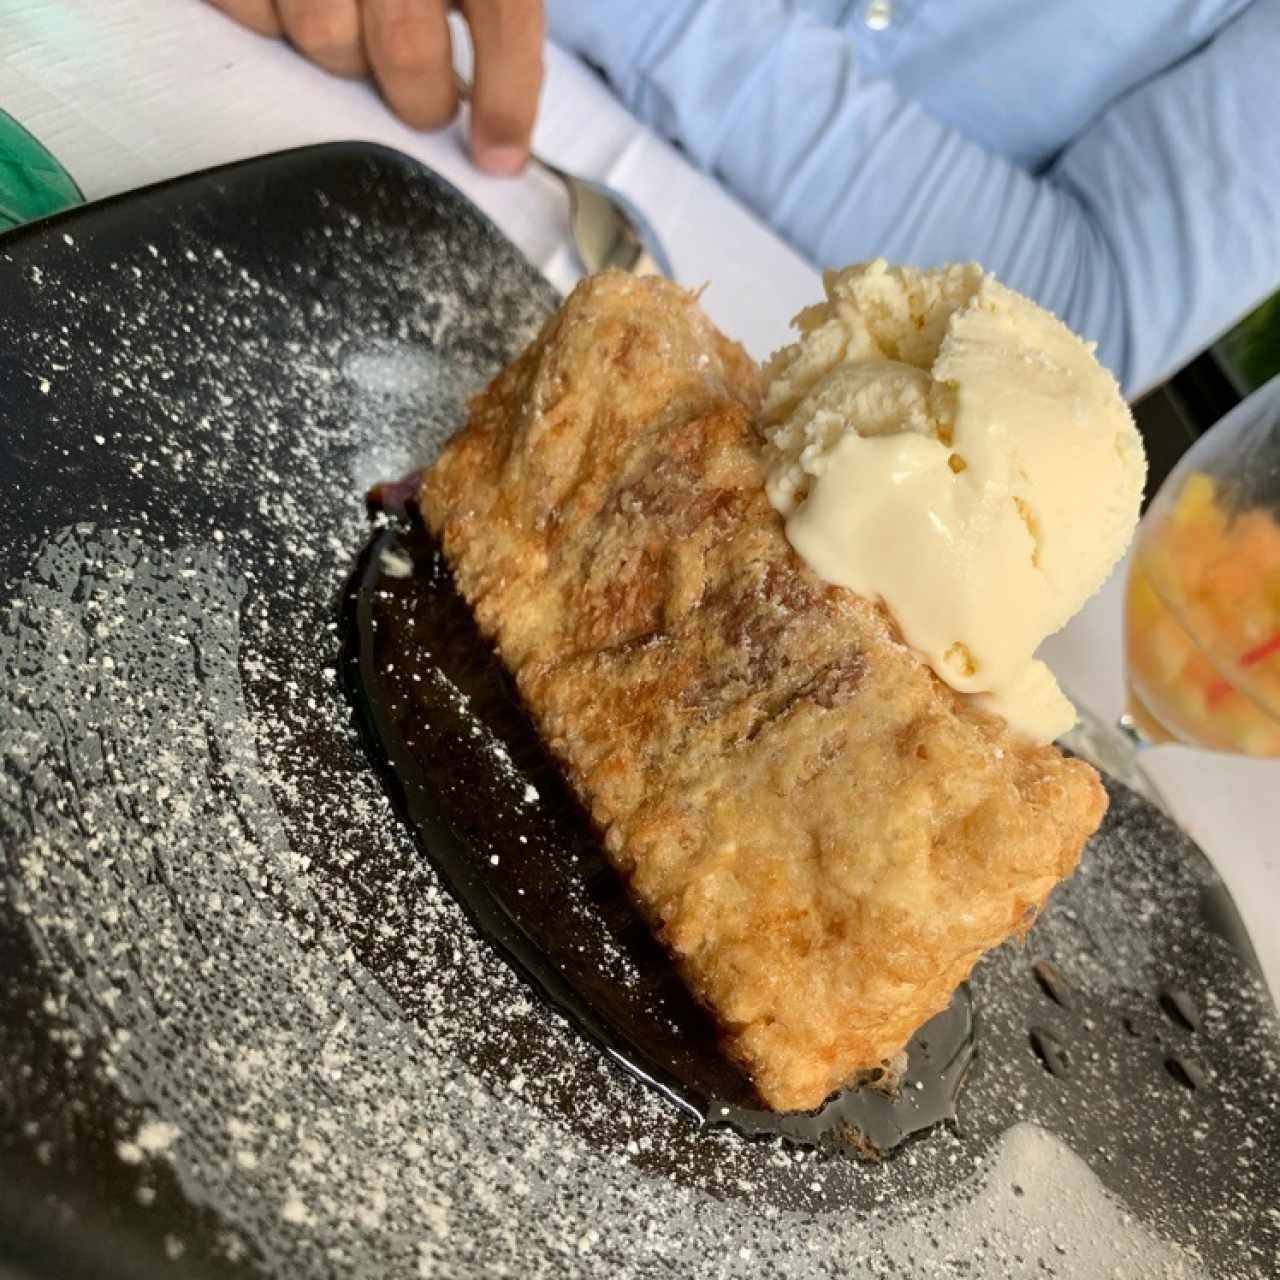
point(504, 162)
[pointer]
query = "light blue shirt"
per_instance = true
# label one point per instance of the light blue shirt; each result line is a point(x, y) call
point(1117, 160)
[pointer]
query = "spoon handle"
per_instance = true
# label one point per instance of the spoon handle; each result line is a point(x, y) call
point(463, 87)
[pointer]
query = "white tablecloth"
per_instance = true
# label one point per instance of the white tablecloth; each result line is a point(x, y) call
point(127, 92)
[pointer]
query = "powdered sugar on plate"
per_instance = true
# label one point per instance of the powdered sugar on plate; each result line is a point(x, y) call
point(192, 954)
point(303, 1058)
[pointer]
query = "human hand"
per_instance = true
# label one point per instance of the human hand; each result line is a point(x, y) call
point(404, 45)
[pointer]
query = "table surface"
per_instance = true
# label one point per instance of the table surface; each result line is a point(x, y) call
point(133, 92)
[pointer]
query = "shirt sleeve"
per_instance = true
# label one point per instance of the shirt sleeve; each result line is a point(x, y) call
point(1151, 232)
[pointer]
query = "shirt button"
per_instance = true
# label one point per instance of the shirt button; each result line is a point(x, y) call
point(879, 14)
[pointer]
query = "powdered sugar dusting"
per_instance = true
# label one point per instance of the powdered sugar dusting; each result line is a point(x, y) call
point(324, 1119)
point(301, 1033)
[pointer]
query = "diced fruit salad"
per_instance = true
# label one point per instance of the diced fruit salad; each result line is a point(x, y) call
point(1203, 621)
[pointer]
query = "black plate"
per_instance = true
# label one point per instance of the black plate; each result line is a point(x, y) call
point(245, 1029)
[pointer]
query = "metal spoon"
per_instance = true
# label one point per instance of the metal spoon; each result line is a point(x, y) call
point(608, 230)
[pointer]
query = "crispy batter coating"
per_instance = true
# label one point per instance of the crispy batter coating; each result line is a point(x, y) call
point(824, 835)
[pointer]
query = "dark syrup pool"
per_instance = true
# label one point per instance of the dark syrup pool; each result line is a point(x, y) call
point(463, 764)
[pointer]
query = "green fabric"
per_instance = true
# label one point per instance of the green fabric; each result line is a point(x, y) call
point(32, 182)
point(1252, 349)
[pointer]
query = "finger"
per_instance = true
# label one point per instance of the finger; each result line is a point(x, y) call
point(407, 43)
point(507, 35)
point(327, 31)
point(260, 15)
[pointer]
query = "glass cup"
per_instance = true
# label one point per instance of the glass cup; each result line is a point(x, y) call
point(1202, 605)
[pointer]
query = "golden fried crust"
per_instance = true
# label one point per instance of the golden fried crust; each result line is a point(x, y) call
point(825, 836)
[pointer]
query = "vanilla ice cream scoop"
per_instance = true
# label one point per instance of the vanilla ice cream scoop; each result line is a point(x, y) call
point(940, 443)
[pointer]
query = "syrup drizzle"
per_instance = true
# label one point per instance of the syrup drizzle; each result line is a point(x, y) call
point(465, 767)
